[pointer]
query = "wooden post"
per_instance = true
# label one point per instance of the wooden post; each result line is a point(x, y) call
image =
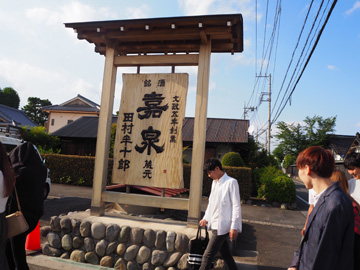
point(198, 150)
point(103, 135)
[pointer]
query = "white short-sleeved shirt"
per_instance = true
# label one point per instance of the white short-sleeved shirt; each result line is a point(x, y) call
point(354, 189)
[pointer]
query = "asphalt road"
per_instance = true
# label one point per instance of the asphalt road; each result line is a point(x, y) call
point(271, 232)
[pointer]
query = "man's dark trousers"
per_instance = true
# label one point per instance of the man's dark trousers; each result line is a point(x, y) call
point(218, 243)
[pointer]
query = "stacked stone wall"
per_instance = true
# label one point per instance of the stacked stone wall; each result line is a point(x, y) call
point(118, 247)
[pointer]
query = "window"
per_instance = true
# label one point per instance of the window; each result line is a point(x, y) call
point(52, 122)
point(70, 121)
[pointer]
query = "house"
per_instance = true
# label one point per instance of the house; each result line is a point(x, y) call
point(355, 144)
point(222, 136)
point(69, 111)
point(340, 145)
point(11, 117)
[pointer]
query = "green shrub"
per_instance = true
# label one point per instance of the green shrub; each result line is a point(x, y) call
point(276, 186)
point(232, 159)
point(79, 170)
point(43, 141)
point(289, 160)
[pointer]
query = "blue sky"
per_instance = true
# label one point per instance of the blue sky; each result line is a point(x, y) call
point(39, 57)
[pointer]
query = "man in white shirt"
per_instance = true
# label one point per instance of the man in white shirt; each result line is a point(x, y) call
point(352, 164)
point(222, 216)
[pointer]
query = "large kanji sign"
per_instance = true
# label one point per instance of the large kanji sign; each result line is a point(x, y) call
point(148, 144)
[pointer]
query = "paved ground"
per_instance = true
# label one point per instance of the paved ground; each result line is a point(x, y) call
point(269, 239)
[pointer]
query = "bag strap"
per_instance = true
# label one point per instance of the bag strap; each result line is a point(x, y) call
point(17, 199)
point(198, 235)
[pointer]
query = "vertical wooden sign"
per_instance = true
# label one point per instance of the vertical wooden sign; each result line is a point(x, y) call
point(148, 143)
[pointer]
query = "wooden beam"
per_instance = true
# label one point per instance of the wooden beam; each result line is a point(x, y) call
point(146, 200)
point(198, 150)
point(157, 60)
point(103, 136)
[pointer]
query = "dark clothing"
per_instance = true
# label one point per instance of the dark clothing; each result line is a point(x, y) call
point(3, 237)
point(218, 243)
point(357, 252)
point(30, 183)
point(328, 241)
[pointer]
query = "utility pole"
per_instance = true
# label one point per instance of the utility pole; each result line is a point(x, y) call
point(246, 109)
point(267, 100)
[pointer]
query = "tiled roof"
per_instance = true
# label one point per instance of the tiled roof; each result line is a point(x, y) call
point(217, 130)
point(341, 143)
point(91, 106)
point(70, 108)
point(84, 127)
point(10, 115)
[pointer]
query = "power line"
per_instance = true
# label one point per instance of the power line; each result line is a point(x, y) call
point(309, 57)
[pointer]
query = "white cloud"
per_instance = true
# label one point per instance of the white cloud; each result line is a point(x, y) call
point(138, 12)
point(354, 8)
point(358, 124)
point(331, 67)
point(191, 7)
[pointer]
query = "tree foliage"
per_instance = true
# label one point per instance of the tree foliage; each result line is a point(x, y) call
point(34, 112)
point(9, 97)
point(293, 138)
point(41, 139)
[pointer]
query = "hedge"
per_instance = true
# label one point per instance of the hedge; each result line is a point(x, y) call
point(79, 170)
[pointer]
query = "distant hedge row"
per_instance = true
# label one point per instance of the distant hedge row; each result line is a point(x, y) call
point(79, 170)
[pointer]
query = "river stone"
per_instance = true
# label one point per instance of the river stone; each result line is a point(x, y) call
point(107, 261)
point(133, 266)
point(124, 234)
point(53, 240)
point(85, 228)
point(65, 255)
point(158, 257)
point(143, 255)
point(77, 256)
point(170, 241)
point(67, 242)
point(181, 242)
point(120, 264)
point(55, 224)
point(120, 250)
point(77, 242)
point(160, 267)
point(160, 240)
point(89, 244)
point(91, 257)
point(98, 230)
point(147, 266)
point(112, 231)
point(111, 248)
point(172, 259)
point(136, 235)
point(131, 252)
point(76, 226)
point(171, 268)
point(100, 247)
point(65, 225)
point(44, 230)
point(50, 251)
point(182, 263)
point(149, 238)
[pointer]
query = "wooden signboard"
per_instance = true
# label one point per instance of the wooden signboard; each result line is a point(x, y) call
point(148, 143)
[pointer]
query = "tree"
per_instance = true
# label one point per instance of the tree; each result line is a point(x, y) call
point(293, 138)
point(34, 112)
point(9, 97)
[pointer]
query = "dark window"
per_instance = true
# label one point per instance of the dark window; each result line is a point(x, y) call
point(70, 121)
point(52, 122)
